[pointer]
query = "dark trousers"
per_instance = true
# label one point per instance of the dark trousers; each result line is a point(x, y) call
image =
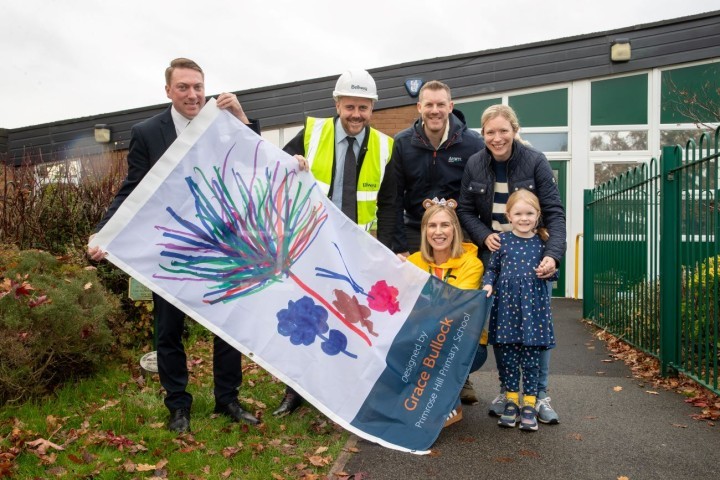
point(172, 362)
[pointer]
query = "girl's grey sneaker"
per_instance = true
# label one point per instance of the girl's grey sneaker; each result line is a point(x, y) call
point(497, 407)
point(528, 419)
point(546, 414)
point(510, 416)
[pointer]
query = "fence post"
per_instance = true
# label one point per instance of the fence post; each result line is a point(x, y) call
point(669, 261)
point(588, 248)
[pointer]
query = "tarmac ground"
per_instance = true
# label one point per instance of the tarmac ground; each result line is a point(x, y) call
point(605, 432)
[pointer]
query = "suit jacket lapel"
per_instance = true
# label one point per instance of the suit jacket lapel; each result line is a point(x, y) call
point(167, 128)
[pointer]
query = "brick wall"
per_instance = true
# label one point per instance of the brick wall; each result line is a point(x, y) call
point(393, 120)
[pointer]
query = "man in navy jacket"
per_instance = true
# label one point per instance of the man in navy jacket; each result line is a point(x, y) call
point(428, 160)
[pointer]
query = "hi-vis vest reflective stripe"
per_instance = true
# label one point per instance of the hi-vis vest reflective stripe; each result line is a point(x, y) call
point(320, 152)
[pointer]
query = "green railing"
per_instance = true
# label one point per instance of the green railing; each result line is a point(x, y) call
point(651, 265)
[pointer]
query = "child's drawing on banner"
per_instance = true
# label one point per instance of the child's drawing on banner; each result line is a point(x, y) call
point(226, 228)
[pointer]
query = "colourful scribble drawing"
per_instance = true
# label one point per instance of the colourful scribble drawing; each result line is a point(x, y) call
point(303, 321)
point(245, 237)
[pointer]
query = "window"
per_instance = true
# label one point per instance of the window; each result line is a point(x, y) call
point(473, 110)
point(619, 125)
point(689, 103)
point(541, 109)
point(619, 101)
point(691, 94)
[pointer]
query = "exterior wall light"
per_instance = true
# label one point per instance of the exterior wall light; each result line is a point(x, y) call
point(620, 50)
point(102, 133)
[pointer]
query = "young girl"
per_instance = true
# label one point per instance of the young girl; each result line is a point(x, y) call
point(443, 254)
point(521, 321)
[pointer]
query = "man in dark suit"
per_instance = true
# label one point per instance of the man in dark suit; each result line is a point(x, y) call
point(185, 87)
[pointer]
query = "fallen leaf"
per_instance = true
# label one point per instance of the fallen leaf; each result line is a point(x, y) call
point(651, 392)
point(623, 478)
point(109, 404)
point(228, 452)
point(144, 467)
point(87, 286)
point(51, 423)
point(41, 446)
point(318, 461)
point(321, 450)
point(679, 425)
point(529, 453)
point(504, 459)
point(617, 389)
point(129, 466)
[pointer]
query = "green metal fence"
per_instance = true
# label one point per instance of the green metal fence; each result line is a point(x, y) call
point(651, 264)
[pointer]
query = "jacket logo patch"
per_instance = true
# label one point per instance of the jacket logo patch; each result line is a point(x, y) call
point(455, 159)
point(369, 185)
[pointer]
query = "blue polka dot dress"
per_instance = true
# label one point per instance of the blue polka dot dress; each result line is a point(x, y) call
point(521, 309)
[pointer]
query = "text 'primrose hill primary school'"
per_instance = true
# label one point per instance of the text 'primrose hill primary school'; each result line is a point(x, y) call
point(596, 105)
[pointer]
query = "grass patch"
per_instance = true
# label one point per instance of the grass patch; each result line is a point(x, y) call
point(112, 426)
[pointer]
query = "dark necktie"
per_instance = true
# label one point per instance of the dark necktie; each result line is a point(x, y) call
point(349, 190)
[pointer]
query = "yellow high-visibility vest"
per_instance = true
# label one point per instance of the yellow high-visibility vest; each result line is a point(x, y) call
point(320, 152)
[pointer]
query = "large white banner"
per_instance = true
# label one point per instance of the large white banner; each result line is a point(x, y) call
point(228, 230)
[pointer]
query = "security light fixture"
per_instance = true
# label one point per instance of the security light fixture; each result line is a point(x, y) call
point(620, 50)
point(102, 133)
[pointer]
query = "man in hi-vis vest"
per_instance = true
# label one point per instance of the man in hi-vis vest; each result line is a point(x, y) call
point(347, 157)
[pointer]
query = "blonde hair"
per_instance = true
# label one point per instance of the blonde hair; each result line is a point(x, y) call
point(456, 249)
point(531, 199)
point(505, 111)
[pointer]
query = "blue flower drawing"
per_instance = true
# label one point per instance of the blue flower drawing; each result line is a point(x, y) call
point(304, 320)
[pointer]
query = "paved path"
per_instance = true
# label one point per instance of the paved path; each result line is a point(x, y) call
point(603, 434)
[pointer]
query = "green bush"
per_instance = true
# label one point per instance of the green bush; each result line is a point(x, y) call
point(136, 327)
point(53, 323)
point(701, 299)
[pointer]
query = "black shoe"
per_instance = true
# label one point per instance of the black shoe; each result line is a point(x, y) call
point(236, 413)
point(290, 403)
point(179, 420)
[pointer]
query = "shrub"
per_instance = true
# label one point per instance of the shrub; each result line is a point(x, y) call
point(53, 323)
point(702, 296)
point(136, 327)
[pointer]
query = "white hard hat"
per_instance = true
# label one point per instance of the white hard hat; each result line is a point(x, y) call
point(355, 83)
